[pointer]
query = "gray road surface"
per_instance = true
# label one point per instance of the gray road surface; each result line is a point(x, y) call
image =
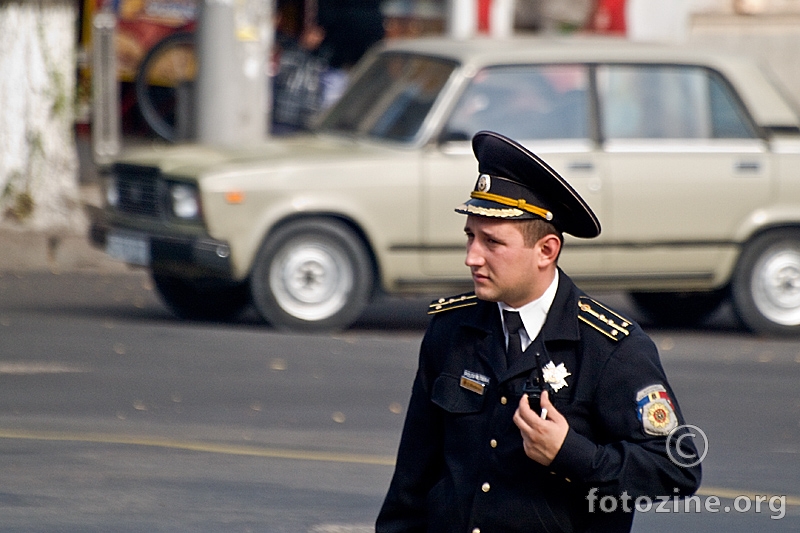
point(115, 416)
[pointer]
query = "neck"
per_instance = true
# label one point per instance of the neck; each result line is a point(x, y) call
point(544, 280)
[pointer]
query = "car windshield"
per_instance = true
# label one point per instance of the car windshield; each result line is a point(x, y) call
point(391, 99)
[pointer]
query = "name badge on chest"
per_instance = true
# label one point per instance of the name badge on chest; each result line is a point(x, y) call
point(474, 382)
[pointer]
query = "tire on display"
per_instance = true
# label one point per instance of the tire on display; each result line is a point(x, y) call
point(312, 275)
point(201, 300)
point(766, 283)
point(168, 64)
point(678, 308)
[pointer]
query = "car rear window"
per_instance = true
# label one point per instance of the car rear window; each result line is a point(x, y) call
point(668, 102)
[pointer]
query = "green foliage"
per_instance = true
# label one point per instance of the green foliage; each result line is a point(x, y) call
point(17, 198)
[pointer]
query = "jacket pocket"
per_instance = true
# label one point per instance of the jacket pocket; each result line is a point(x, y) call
point(448, 394)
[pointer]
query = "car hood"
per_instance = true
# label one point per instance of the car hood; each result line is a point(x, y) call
point(194, 161)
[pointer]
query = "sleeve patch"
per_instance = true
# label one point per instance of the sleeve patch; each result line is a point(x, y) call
point(656, 411)
point(452, 302)
point(603, 319)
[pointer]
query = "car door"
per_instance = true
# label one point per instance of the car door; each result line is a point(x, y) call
point(546, 108)
point(685, 166)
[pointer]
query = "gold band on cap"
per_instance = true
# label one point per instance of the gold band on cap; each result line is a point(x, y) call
point(520, 203)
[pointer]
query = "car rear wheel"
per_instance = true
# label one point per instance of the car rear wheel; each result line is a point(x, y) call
point(678, 308)
point(766, 284)
point(312, 275)
point(201, 299)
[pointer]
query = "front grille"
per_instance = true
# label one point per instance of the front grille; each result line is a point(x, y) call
point(138, 190)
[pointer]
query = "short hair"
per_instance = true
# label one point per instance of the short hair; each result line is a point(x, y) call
point(534, 229)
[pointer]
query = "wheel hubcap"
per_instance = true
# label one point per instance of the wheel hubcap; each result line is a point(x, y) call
point(776, 286)
point(311, 280)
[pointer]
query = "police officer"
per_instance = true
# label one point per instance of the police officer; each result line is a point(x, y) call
point(532, 402)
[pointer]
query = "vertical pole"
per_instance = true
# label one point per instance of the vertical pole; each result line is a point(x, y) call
point(501, 19)
point(466, 18)
point(233, 41)
point(462, 18)
point(217, 77)
point(105, 103)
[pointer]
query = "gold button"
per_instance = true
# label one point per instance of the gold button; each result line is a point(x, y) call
point(485, 487)
point(476, 530)
point(504, 400)
point(493, 443)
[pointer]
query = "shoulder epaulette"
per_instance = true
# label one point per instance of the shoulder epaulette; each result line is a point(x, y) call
point(452, 302)
point(603, 319)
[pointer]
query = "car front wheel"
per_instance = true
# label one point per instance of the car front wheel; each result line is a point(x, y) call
point(312, 275)
point(201, 299)
point(766, 284)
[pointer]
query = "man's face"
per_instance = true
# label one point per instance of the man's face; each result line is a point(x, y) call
point(503, 268)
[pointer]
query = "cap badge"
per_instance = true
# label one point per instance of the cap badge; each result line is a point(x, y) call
point(484, 183)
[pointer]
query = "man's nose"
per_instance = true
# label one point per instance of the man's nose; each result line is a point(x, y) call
point(474, 257)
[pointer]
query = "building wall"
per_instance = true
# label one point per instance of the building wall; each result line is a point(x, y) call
point(772, 38)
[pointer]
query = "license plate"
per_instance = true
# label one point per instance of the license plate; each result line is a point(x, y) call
point(129, 247)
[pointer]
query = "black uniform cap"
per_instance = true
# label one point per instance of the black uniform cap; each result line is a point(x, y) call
point(515, 184)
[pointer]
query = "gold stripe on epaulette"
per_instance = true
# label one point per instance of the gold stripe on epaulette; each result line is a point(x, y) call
point(603, 319)
point(453, 302)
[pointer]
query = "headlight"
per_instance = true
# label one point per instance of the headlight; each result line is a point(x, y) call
point(185, 201)
point(112, 191)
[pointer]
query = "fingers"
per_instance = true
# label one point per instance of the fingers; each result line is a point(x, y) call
point(541, 438)
point(549, 412)
point(552, 413)
point(522, 413)
point(526, 415)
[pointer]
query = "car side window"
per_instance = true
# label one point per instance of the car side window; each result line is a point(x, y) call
point(729, 119)
point(668, 102)
point(524, 102)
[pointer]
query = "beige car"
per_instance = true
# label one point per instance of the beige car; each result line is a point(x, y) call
point(691, 160)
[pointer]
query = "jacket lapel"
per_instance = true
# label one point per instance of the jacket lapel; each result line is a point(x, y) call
point(561, 324)
point(485, 328)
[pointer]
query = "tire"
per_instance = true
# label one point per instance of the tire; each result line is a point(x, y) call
point(168, 64)
point(678, 308)
point(312, 275)
point(766, 284)
point(201, 299)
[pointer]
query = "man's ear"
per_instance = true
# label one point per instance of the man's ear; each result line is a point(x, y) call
point(549, 246)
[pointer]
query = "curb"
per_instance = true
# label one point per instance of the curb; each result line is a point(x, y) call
point(27, 251)
point(33, 251)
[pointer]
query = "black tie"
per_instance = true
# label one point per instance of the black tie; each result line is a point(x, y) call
point(513, 325)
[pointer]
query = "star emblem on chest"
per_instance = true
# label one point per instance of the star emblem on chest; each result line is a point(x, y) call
point(555, 375)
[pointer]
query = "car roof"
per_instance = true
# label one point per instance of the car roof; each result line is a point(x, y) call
point(535, 49)
point(768, 106)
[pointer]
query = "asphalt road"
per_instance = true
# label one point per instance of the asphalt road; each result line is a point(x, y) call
point(115, 416)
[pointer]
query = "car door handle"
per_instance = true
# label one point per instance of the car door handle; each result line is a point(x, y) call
point(748, 166)
point(581, 165)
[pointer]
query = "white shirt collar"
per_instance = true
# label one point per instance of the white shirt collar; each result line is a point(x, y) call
point(533, 314)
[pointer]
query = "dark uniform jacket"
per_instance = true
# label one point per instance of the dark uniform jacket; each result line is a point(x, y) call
point(461, 465)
